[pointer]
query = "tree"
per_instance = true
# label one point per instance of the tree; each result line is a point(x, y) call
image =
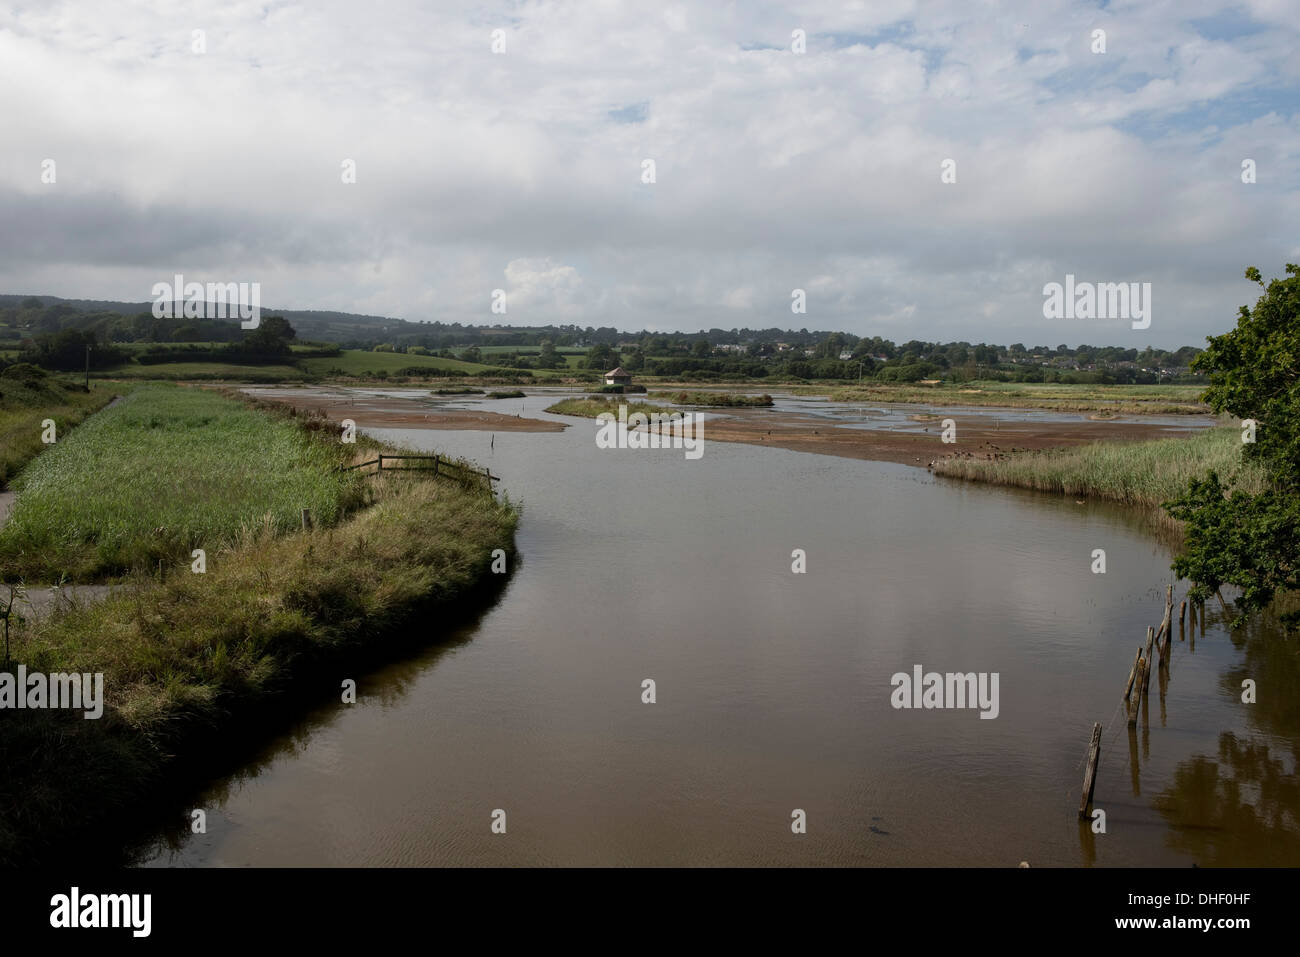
point(66, 351)
point(1231, 536)
point(549, 359)
point(271, 337)
point(601, 357)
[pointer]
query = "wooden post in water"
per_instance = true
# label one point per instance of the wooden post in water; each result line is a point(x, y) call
point(1135, 702)
point(1146, 673)
point(1132, 673)
point(1182, 617)
point(1090, 773)
point(1166, 625)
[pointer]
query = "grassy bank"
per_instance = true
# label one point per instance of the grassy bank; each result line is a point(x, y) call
point(190, 662)
point(166, 471)
point(1112, 399)
point(715, 400)
point(28, 396)
point(590, 408)
point(1135, 473)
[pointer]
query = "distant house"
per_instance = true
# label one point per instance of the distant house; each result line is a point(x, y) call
point(618, 377)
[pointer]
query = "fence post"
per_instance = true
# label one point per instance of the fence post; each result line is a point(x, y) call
point(381, 463)
point(1090, 774)
point(1146, 675)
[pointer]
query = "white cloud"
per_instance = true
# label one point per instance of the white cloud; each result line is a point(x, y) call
point(475, 169)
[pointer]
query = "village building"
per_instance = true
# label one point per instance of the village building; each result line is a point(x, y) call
point(618, 377)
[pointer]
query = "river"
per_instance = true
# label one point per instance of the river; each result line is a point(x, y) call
point(773, 689)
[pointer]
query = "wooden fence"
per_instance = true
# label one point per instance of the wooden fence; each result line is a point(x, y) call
point(439, 467)
point(1139, 681)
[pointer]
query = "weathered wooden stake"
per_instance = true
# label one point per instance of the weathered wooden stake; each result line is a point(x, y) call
point(1182, 619)
point(1136, 701)
point(306, 519)
point(1146, 674)
point(381, 463)
point(1132, 673)
point(1090, 773)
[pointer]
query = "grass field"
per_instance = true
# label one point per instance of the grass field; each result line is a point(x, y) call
point(524, 350)
point(359, 363)
point(28, 397)
point(204, 372)
point(167, 470)
point(1116, 399)
point(191, 663)
point(1135, 473)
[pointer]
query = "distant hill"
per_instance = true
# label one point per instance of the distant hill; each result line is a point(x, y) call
point(314, 324)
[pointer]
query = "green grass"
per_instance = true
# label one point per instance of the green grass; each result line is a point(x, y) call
point(28, 397)
point(1135, 473)
point(1113, 399)
point(523, 350)
point(167, 470)
point(358, 362)
point(720, 400)
point(590, 408)
point(204, 372)
point(190, 663)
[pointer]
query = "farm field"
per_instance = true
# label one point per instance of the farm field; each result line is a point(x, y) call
point(359, 362)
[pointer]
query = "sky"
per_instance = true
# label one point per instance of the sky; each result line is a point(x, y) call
point(779, 165)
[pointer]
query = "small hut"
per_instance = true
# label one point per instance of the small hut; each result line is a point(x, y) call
point(618, 377)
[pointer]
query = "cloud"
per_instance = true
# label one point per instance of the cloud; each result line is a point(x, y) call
point(775, 170)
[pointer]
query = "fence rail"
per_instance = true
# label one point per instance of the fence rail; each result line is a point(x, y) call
point(439, 467)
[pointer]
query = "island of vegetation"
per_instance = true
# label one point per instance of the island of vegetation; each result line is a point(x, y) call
point(715, 400)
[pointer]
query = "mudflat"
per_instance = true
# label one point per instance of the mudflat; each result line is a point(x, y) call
point(400, 412)
point(979, 434)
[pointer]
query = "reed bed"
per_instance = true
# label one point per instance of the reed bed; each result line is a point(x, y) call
point(1134, 473)
point(167, 470)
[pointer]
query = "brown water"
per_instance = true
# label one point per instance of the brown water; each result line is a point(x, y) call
point(773, 689)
